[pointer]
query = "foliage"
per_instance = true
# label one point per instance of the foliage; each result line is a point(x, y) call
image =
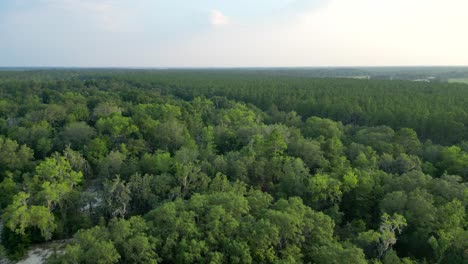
point(198, 166)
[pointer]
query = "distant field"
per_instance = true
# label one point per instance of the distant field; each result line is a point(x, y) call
point(458, 80)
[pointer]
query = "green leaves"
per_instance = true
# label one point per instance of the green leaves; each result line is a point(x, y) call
point(8, 188)
point(324, 187)
point(117, 126)
point(191, 153)
point(390, 226)
point(13, 156)
point(92, 246)
point(131, 241)
point(77, 134)
point(43, 219)
point(451, 229)
point(53, 180)
point(316, 127)
point(377, 243)
point(16, 216)
point(116, 197)
point(228, 227)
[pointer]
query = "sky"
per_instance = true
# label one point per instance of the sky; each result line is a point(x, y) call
point(232, 33)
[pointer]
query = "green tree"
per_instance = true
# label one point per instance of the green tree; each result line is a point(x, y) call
point(89, 246)
point(377, 243)
point(13, 156)
point(77, 134)
point(54, 179)
point(116, 197)
point(315, 127)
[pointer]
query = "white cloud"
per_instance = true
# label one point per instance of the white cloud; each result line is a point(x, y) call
point(397, 32)
point(342, 33)
point(147, 33)
point(217, 18)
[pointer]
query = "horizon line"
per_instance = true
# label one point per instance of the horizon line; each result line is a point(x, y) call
point(230, 67)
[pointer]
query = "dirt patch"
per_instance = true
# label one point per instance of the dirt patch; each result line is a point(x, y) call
point(38, 254)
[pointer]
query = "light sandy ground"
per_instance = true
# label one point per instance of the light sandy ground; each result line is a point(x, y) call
point(36, 256)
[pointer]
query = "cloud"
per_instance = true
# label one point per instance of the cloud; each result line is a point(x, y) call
point(398, 32)
point(267, 33)
point(218, 19)
point(339, 33)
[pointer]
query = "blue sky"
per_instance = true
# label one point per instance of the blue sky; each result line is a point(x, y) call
point(241, 33)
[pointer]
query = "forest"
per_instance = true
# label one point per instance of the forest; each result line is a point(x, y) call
point(232, 166)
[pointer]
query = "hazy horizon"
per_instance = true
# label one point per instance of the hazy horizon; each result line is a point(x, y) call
point(238, 67)
point(227, 34)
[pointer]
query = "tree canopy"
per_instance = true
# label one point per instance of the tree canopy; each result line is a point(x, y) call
point(199, 166)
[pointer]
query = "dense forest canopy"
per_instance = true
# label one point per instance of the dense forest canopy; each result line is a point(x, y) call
point(233, 166)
